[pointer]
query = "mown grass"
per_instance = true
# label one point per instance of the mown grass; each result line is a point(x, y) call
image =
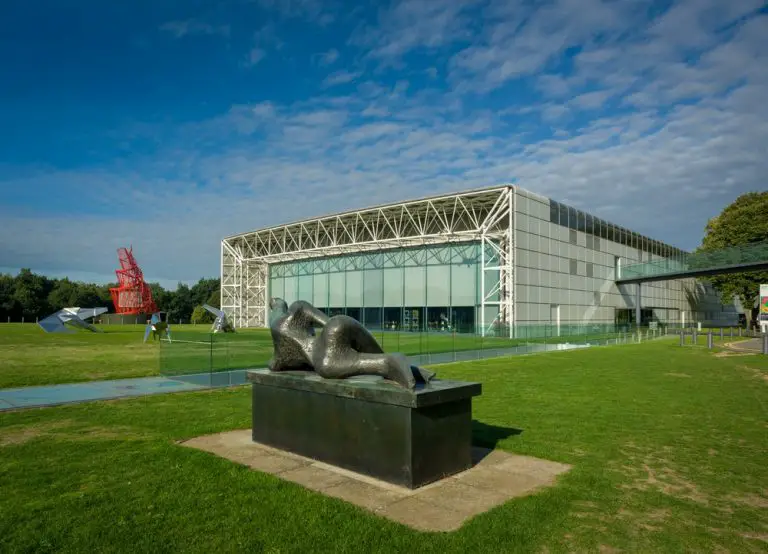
point(29, 356)
point(668, 447)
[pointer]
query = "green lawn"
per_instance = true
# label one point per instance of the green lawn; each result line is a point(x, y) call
point(668, 447)
point(29, 356)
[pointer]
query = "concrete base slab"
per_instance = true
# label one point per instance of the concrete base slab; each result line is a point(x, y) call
point(445, 505)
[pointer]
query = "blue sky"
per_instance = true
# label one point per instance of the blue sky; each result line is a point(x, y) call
point(169, 125)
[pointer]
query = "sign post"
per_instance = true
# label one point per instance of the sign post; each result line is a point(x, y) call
point(762, 316)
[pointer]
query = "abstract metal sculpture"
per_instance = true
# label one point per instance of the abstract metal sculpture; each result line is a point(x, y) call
point(158, 325)
point(341, 348)
point(131, 295)
point(61, 321)
point(222, 324)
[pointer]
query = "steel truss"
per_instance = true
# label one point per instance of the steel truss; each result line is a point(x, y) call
point(482, 215)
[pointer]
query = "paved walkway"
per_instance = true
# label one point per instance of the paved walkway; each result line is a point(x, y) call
point(751, 345)
point(53, 395)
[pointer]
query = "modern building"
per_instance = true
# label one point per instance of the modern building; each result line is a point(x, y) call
point(500, 261)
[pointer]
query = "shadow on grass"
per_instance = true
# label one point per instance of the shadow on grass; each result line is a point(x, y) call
point(486, 436)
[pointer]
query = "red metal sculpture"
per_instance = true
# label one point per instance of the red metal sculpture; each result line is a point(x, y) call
point(132, 295)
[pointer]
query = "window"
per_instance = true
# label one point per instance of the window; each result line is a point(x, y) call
point(590, 240)
point(573, 266)
point(572, 223)
point(554, 214)
point(582, 219)
point(590, 228)
point(563, 215)
point(597, 298)
point(596, 243)
point(590, 270)
point(572, 236)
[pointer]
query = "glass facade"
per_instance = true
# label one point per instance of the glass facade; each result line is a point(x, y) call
point(429, 288)
point(596, 228)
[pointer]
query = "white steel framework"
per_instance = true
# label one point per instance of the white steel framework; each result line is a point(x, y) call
point(484, 215)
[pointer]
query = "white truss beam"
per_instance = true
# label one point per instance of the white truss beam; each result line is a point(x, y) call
point(484, 215)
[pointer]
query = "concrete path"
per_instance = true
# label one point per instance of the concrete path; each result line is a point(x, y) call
point(53, 395)
point(751, 345)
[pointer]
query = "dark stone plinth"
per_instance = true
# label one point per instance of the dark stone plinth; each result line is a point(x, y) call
point(367, 425)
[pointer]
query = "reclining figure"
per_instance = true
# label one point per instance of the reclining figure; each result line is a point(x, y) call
point(335, 347)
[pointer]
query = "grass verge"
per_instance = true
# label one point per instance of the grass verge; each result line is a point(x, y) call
point(668, 446)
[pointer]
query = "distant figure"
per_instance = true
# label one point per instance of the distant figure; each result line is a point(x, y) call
point(337, 347)
point(158, 325)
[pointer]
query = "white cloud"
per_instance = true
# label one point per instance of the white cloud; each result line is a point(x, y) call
point(329, 57)
point(413, 24)
point(183, 28)
point(316, 11)
point(340, 77)
point(591, 100)
point(255, 56)
point(519, 41)
point(689, 137)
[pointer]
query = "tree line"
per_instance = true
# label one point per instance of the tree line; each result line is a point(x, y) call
point(30, 296)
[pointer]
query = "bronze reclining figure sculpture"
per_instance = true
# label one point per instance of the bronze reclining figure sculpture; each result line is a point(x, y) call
point(337, 347)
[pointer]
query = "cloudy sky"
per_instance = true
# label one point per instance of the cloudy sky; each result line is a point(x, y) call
point(169, 125)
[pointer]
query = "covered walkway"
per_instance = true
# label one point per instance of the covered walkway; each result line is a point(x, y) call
point(737, 259)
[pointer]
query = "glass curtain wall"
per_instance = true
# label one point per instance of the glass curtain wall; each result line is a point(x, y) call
point(431, 288)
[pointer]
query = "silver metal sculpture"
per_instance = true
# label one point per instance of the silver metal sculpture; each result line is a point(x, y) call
point(64, 319)
point(158, 325)
point(222, 324)
point(304, 338)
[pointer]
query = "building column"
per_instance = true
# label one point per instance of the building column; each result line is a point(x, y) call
point(637, 305)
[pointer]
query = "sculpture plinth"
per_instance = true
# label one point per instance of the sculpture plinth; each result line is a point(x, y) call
point(330, 393)
point(406, 437)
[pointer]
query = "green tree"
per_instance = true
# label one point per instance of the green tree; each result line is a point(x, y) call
point(203, 289)
point(742, 222)
point(181, 304)
point(215, 299)
point(201, 315)
point(105, 297)
point(161, 296)
point(30, 294)
point(8, 306)
point(63, 294)
point(87, 296)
